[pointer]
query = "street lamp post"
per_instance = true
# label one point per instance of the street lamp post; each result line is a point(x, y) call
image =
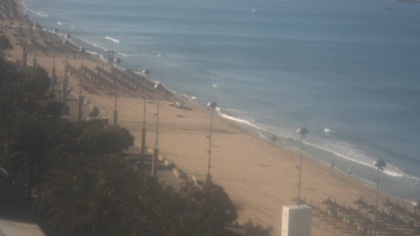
point(111, 62)
point(65, 85)
point(80, 103)
point(53, 78)
point(158, 87)
point(302, 131)
point(380, 164)
point(211, 106)
point(146, 72)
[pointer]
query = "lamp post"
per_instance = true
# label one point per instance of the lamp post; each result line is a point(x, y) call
point(53, 78)
point(302, 131)
point(380, 164)
point(416, 205)
point(80, 99)
point(65, 86)
point(146, 72)
point(158, 87)
point(211, 106)
point(111, 62)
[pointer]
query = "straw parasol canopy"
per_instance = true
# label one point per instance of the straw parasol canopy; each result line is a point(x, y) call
point(388, 203)
point(360, 202)
point(303, 201)
point(397, 208)
point(369, 209)
point(328, 202)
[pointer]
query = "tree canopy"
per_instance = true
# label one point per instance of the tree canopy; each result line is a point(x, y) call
point(83, 183)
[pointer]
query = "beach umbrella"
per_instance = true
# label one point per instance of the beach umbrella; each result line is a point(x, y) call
point(328, 202)
point(370, 209)
point(397, 208)
point(387, 203)
point(301, 200)
point(360, 202)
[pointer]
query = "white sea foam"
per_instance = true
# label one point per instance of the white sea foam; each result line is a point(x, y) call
point(59, 23)
point(328, 131)
point(117, 41)
point(123, 54)
point(339, 149)
point(242, 121)
point(89, 42)
point(39, 13)
point(362, 160)
point(24, 6)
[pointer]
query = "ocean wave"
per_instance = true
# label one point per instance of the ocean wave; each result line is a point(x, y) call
point(123, 54)
point(337, 148)
point(391, 170)
point(39, 13)
point(94, 44)
point(117, 41)
point(24, 6)
point(241, 121)
point(89, 42)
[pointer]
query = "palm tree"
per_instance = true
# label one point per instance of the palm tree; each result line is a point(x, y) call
point(211, 206)
point(99, 139)
point(77, 199)
point(151, 208)
point(4, 45)
point(32, 139)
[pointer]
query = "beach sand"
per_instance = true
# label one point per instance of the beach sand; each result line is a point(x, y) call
point(259, 176)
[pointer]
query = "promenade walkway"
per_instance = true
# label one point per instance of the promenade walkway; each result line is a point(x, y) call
point(15, 228)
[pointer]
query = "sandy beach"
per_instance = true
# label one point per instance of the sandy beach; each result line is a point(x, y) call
point(260, 177)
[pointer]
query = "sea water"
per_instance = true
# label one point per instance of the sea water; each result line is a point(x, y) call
point(348, 70)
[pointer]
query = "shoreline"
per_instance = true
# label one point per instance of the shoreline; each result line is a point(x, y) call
point(245, 126)
point(230, 134)
point(291, 141)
